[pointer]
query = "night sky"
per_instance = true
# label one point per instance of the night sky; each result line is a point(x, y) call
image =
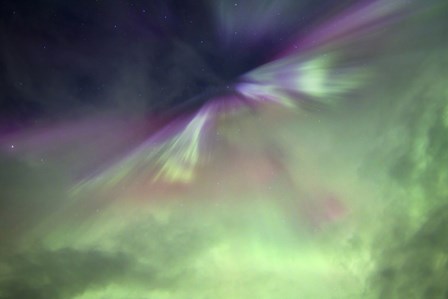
point(223, 149)
point(61, 57)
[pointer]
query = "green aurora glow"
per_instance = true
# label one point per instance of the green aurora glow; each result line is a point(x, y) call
point(383, 153)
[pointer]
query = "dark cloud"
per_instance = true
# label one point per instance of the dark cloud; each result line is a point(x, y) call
point(61, 273)
point(146, 254)
point(417, 268)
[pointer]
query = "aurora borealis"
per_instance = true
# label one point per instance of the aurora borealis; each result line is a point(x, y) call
point(223, 149)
